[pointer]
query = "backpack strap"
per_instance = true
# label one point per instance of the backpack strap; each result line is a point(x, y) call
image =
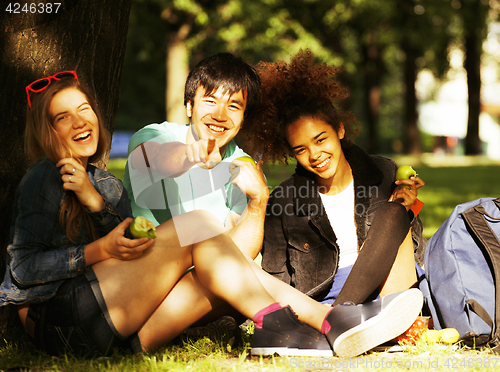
point(481, 312)
point(481, 230)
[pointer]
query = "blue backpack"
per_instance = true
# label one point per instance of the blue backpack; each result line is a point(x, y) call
point(462, 273)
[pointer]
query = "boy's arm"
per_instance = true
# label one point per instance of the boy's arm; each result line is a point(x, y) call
point(248, 230)
point(172, 159)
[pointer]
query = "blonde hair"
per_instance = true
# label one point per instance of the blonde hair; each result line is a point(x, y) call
point(41, 139)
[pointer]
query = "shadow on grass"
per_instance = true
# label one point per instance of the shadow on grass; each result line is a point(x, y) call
point(18, 354)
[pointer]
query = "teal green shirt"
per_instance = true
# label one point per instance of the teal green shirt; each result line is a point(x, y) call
point(159, 198)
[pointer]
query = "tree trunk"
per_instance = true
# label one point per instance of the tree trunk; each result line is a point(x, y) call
point(408, 22)
point(177, 72)
point(372, 71)
point(474, 13)
point(411, 116)
point(472, 64)
point(86, 36)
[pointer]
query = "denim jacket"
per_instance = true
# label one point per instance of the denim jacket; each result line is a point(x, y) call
point(300, 246)
point(40, 256)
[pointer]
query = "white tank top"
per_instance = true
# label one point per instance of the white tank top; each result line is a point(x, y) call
point(340, 211)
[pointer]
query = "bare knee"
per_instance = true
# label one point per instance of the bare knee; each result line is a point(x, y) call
point(197, 226)
point(196, 218)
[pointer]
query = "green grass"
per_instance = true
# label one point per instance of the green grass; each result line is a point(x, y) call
point(205, 355)
point(452, 181)
point(449, 181)
point(199, 355)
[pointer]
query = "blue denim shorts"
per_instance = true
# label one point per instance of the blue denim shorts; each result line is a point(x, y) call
point(76, 320)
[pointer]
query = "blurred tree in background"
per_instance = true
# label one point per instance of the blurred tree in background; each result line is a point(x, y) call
point(380, 45)
point(473, 14)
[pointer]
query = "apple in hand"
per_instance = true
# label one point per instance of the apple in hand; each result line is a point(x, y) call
point(142, 228)
point(405, 172)
point(248, 159)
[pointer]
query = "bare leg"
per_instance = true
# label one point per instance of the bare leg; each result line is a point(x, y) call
point(188, 302)
point(308, 310)
point(402, 275)
point(133, 290)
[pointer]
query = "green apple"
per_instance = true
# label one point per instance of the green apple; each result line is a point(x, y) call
point(248, 159)
point(142, 228)
point(405, 172)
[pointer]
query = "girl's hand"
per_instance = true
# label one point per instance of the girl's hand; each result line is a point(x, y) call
point(116, 245)
point(76, 179)
point(404, 195)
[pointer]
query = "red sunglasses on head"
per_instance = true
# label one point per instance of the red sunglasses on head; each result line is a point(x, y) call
point(39, 85)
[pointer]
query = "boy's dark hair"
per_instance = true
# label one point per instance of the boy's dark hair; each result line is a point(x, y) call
point(227, 71)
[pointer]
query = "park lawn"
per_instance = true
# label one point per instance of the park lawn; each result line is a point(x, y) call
point(204, 355)
point(449, 181)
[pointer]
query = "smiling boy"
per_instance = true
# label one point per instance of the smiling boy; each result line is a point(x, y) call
point(173, 169)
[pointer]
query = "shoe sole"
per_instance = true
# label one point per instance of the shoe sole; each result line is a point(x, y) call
point(392, 321)
point(286, 351)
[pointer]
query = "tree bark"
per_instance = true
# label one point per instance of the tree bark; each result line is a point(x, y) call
point(472, 65)
point(177, 73)
point(412, 137)
point(408, 23)
point(180, 24)
point(86, 36)
point(474, 13)
point(372, 72)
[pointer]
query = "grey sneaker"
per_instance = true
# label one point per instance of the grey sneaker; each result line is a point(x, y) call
point(284, 334)
point(356, 329)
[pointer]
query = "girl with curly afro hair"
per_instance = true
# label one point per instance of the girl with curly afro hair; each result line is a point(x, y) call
point(340, 228)
point(290, 91)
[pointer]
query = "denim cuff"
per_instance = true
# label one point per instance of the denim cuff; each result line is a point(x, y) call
point(105, 215)
point(77, 259)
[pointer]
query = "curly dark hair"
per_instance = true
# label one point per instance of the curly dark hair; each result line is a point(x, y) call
point(290, 91)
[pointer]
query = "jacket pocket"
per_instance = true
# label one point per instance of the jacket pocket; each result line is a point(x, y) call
point(274, 260)
point(311, 259)
point(304, 240)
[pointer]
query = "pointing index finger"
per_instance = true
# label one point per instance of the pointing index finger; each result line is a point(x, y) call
point(210, 145)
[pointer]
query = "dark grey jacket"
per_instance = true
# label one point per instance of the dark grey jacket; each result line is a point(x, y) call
point(299, 243)
point(40, 255)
